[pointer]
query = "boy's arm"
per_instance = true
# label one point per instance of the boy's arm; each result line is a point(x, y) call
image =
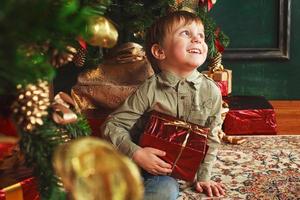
point(204, 172)
point(118, 124)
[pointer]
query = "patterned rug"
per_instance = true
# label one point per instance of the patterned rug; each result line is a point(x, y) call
point(263, 168)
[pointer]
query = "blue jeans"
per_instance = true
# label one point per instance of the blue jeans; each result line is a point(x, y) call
point(160, 187)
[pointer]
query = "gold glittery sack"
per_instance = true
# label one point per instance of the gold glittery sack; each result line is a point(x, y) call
point(114, 80)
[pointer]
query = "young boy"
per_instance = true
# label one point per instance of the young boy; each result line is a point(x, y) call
point(175, 47)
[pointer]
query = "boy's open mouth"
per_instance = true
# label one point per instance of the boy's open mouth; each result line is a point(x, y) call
point(194, 50)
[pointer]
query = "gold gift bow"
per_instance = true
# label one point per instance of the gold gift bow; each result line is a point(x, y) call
point(62, 113)
point(190, 128)
point(220, 68)
point(187, 126)
point(217, 66)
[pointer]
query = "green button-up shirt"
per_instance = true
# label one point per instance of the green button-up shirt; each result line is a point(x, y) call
point(196, 99)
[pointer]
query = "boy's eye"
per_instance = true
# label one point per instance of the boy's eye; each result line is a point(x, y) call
point(185, 33)
point(201, 35)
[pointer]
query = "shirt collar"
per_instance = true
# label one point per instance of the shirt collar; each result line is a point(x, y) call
point(194, 77)
point(171, 79)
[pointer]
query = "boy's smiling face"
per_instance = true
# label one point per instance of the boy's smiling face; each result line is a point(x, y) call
point(184, 48)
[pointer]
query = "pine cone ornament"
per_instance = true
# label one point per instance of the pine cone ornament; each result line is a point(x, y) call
point(31, 105)
point(80, 57)
point(60, 58)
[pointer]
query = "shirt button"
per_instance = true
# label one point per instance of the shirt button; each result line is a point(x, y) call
point(182, 83)
point(182, 97)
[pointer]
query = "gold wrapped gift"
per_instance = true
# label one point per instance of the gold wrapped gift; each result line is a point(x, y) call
point(225, 75)
point(114, 80)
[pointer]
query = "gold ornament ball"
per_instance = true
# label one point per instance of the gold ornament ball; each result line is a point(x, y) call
point(90, 168)
point(101, 32)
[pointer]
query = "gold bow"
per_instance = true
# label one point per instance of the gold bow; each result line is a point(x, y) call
point(189, 127)
point(216, 63)
point(62, 113)
point(217, 68)
point(186, 125)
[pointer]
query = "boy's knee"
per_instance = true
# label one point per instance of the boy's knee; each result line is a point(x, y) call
point(170, 185)
point(164, 188)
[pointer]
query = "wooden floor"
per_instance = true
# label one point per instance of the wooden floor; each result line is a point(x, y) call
point(287, 116)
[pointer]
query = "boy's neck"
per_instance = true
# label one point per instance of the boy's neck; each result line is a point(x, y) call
point(181, 74)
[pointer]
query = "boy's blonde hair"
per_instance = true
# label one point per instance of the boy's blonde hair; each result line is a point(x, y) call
point(160, 28)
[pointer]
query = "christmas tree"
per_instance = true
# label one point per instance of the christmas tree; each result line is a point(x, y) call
point(37, 37)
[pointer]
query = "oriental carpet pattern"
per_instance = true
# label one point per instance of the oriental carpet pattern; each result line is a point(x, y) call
point(263, 168)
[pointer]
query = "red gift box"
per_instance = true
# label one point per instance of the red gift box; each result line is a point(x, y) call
point(16, 179)
point(95, 118)
point(23, 190)
point(249, 115)
point(7, 127)
point(223, 85)
point(17, 182)
point(223, 80)
point(185, 143)
point(6, 149)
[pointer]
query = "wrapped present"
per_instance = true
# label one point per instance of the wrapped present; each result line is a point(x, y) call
point(7, 127)
point(249, 115)
point(16, 179)
point(22, 190)
point(6, 148)
point(222, 77)
point(123, 69)
point(223, 85)
point(185, 143)
point(219, 74)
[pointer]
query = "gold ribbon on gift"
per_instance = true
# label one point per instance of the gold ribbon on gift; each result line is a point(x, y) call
point(215, 67)
point(190, 128)
point(13, 192)
point(62, 113)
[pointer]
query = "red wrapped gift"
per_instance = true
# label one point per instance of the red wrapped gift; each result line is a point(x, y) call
point(249, 115)
point(6, 149)
point(16, 181)
point(23, 190)
point(7, 127)
point(185, 143)
point(220, 77)
point(223, 85)
point(95, 118)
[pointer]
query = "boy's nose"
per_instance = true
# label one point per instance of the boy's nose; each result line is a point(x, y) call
point(196, 38)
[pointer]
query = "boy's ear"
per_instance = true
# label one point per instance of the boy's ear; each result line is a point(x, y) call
point(158, 52)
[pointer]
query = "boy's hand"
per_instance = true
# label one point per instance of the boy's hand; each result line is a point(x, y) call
point(210, 188)
point(148, 158)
